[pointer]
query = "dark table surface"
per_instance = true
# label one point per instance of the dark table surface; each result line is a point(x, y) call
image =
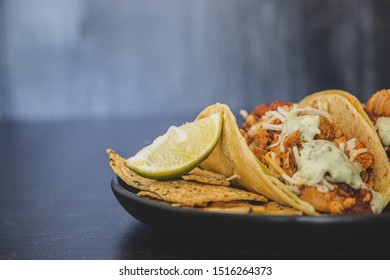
point(56, 201)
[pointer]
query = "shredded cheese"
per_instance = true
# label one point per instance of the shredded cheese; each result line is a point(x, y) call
point(311, 111)
point(282, 111)
point(314, 181)
point(281, 143)
point(278, 115)
point(255, 129)
point(296, 155)
point(351, 144)
point(330, 179)
point(244, 113)
point(273, 164)
point(342, 147)
point(321, 188)
point(327, 184)
point(294, 189)
point(276, 127)
point(235, 176)
point(291, 180)
point(271, 119)
point(355, 153)
point(268, 157)
point(276, 143)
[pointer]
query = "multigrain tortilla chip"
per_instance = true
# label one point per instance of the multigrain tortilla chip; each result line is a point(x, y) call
point(194, 194)
point(206, 177)
point(232, 207)
point(240, 207)
point(274, 208)
point(149, 195)
point(117, 164)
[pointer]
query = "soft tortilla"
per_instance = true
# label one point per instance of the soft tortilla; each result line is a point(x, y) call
point(232, 156)
point(350, 116)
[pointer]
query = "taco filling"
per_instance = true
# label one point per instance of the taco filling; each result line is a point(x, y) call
point(308, 154)
point(378, 109)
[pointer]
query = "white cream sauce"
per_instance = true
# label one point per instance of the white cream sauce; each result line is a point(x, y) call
point(319, 157)
point(383, 126)
point(307, 124)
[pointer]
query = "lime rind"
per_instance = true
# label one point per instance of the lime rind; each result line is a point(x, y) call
point(178, 159)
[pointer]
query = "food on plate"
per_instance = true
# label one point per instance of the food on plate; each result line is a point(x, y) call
point(198, 194)
point(127, 175)
point(300, 156)
point(353, 119)
point(319, 156)
point(193, 194)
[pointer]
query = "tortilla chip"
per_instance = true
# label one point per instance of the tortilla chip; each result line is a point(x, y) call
point(231, 207)
point(194, 194)
point(206, 177)
point(149, 195)
point(117, 164)
point(274, 208)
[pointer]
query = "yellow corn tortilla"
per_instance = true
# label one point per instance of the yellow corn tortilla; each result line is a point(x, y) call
point(232, 156)
point(349, 114)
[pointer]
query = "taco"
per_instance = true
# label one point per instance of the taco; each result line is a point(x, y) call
point(356, 120)
point(300, 155)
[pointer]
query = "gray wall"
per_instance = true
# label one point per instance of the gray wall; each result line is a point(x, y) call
point(62, 59)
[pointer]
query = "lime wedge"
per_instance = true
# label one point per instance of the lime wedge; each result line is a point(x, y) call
point(179, 150)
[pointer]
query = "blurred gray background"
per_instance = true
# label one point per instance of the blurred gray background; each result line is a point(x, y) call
point(100, 59)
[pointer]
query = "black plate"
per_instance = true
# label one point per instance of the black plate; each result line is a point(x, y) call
point(201, 223)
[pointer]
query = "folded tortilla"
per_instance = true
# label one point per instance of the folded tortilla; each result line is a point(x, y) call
point(349, 114)
point(232, 156)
